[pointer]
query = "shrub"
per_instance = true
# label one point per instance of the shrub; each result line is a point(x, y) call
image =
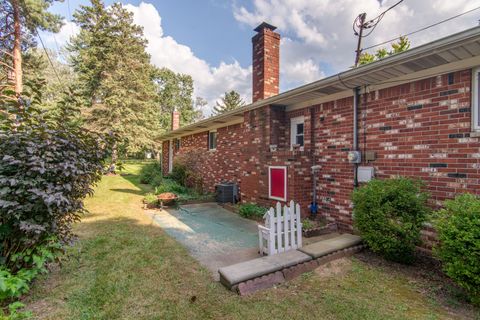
point(46, 171)
point(169, 185)
point(187, 167)
point(151, 199)
point(390, 214)
point(151, 174)
point(307, 224)
point(251, 210)
point(458, 228)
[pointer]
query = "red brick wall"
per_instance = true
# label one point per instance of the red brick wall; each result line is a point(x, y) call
point(165, 145)
point(222, 164)
point(265, 64)
point(421, 129)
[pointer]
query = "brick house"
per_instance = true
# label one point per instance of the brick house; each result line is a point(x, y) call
point(413, 114)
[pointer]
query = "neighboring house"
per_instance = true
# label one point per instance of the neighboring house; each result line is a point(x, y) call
point(413, 114)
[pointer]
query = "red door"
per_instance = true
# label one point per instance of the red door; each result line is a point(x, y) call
point(277, 183)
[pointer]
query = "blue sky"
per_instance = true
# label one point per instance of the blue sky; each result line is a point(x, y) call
point(211, 39)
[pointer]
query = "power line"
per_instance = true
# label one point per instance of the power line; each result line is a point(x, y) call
point(372, 23)
point(70, 17)
point(44, 48)
point(48, 56)
point(422, 29)
point(360, 23)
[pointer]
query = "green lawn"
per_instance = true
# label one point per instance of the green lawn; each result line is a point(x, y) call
point(125, 267)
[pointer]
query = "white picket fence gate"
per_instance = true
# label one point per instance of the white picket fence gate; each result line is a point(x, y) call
point(282, 230)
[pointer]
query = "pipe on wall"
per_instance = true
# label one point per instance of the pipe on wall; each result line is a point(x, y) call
point(356, 101)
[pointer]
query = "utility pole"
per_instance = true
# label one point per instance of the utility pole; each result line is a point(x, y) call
point(362, 17)
point(17, 49)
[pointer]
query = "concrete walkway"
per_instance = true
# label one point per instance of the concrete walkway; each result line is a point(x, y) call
point(214, 236)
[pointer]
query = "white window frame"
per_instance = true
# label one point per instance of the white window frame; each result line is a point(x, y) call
point(216, 140)
point(270, 183)
point(475, 99)
point(293, 131)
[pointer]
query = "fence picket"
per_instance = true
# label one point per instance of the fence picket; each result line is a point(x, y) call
point(299, 226)
point(286, 214)
point(282, 230)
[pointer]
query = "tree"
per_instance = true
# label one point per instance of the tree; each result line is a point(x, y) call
point(230, 101)
point(115, 76)
point(174, 91)
point(39, 74)
point(200, 105)
point(19, 23)
point(403, 44)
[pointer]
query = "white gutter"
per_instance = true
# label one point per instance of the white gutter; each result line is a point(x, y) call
point(340, 79)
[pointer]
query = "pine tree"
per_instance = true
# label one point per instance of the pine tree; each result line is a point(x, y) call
point(230, 101)
point(115, 76)
point(19, 23)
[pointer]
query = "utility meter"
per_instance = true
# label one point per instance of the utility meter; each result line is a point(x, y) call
point(354, 157)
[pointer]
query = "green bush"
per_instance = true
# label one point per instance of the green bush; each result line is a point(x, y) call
point(458, 228)
point(15, 284)
point(151, 174)
point(169, 185)
point(186, 169)
point(46, 171)
point(307, 224)
point(150, 198)
point(251, 210)
point(179, 173)
point(389, 214)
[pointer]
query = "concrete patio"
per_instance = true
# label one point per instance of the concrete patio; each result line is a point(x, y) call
point(214, 236)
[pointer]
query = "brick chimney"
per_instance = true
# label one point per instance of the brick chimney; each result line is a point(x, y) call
point(266, 62)
point(175, 119)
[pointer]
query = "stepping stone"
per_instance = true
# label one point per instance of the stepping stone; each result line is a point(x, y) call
point(324, 247)
point(240, 272)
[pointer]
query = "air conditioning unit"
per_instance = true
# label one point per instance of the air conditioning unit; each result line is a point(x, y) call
point(226, 192)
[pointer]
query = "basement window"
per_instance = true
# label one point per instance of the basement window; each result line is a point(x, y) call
point(297, 132)
point(277, 183)
point(212, 140)
point(476, 99)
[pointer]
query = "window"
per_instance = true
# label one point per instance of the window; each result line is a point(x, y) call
point(296, 132)
point(177, 144)
point(476, 99)
point(212, 140)
point(277, 183)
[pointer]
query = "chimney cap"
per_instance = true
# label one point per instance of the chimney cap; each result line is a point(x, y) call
point(264, 25)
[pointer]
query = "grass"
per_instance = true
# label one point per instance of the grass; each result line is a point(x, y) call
point(124, 266)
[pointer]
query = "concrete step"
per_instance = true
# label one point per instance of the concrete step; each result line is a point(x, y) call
point(322, 248)
point(240, 272)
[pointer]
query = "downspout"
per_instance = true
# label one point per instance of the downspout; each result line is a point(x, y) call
point(356, 101)
point(315, 168)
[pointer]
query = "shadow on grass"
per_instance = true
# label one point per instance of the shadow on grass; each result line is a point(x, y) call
point(132, 191)
point(130, 269)
point(116, 273)
point(135, 180)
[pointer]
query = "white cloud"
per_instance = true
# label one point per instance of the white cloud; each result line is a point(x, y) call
point(68, 30)
point(319, 33)
point(210, 82)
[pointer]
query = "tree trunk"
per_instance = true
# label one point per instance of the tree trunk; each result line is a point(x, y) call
point(17, 49)
point(114, 158)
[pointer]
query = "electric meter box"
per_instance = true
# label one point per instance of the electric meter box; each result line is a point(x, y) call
point(354, 157)
point(365, 174)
